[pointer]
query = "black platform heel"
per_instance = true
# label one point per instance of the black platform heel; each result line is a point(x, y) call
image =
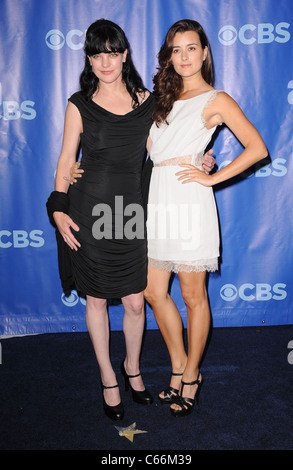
point(187, 403)
point(114, 412)
point(142, 397)
point(170, 393)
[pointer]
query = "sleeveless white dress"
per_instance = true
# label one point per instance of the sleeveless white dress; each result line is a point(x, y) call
point(182, 222)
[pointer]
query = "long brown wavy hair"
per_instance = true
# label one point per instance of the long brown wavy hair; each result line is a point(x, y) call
point(167, 83)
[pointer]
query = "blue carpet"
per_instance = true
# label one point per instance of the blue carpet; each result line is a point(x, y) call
point(50, 394)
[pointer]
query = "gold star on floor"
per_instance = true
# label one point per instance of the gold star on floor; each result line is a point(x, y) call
point(129, 431)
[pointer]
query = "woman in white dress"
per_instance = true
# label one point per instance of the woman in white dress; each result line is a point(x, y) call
point(182, 224)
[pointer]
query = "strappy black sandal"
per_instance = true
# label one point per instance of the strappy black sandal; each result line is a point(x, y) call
point(170, 393)
point(186, 404)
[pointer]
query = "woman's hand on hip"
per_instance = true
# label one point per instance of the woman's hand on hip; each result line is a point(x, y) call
point(192, 174)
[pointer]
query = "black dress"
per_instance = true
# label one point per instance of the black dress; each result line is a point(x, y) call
point(106, 203)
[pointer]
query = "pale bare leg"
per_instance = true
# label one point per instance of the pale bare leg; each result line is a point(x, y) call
point(133, 326)
point(98, 326)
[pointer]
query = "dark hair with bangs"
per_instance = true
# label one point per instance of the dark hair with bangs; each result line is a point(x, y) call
point(167, 83)
point(104, 36)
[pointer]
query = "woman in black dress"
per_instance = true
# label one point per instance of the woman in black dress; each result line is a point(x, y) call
point(104, 227)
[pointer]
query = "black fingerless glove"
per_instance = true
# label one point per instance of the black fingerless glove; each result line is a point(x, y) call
point(59, 202)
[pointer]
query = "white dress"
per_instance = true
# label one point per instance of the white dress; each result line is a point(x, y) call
point(182, 223)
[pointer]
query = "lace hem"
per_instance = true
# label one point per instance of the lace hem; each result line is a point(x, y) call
point(185, 266)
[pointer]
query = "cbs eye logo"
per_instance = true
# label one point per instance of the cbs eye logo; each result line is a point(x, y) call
point(72, 299)
point(228, 292)
point(55, 39)
point(249, 34)
point(249, 292)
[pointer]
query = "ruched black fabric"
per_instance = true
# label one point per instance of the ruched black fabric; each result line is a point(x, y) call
point(113, 153)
